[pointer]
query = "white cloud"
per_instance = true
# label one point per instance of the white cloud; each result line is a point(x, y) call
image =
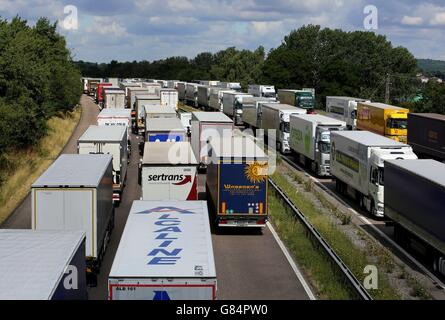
point(438, 19)
point(412, 21)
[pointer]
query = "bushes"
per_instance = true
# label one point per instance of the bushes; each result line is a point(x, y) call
point(37, 80)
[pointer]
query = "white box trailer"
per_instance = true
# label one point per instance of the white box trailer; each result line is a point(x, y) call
point(141, 101)
point(172, 84)
point(42, 265)
point(265, 91)
point(169, 172)
point(181, 87)
point(252, 110)
point(212, 83)
point(115, 117)
point(216, 98)
point(131, 96)
point(357, 165)
point(191, 95)
point(232, 106)
point(114, 99)
point(153, 88)
point(76, 193)
point(207, 126)
point(310, 139)
point(128, 85)
point(276, 116)
point(344, 109)
point(186, 120)
point(165, 130)
point(235, 86)
point(169, 98)
point(109, 140)
point(203, 96)
point(113, 81)
point(165, 253)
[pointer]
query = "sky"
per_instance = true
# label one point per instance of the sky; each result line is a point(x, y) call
point(127, 30)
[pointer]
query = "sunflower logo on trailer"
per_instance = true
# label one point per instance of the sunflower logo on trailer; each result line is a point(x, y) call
point(256, 172)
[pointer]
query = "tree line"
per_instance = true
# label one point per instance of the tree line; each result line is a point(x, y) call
point(334, 62)
point(38, 79)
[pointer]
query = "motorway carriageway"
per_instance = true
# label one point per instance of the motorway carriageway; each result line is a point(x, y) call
point(249, 265)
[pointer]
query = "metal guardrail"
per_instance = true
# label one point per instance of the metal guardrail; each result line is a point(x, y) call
point(355, 284)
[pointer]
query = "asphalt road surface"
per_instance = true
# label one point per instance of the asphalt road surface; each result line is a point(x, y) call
point(249, 264)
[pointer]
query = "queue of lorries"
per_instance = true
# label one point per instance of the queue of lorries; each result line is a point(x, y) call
point(166, 249)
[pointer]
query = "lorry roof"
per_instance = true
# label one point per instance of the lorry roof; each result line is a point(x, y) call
point(238, 147)
point(431, 170)
point(211, 117)
point(158, 153)
point(383, 106)
point(114, 91)
point(282, 107)
point(103, 133)
point(147, 97)
point(75, 170)
point(320, 119)
point(347, 98)
point(139, 239)
point(368, 138)
point(164, 124)
point(149, 108)
point(33, 262)
point(109, 112)
point(435, 116)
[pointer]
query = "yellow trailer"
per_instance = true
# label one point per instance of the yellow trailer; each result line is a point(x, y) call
point(383, 119)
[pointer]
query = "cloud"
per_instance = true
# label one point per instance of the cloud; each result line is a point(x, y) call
point(438, 19)
point(412, 21)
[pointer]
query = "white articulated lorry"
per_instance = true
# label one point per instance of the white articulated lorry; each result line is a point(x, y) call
point(114, 99)
point(344, 109)
point(310, 139)
point(276, 116)
point(191, 94)
point(216, 98)
point(165, 253)
point(263, 91)
point(76, 193)
point(116, 117)
point(169, 98)
point(357, 165)
point(252, 110)
point(113, 141)
point(232, 105)
point(182, 87)
point(235, 86)
point(169, 172)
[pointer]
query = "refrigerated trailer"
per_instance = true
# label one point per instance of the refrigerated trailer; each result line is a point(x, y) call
point(205, 127)
point(141, 102)
point(235, 86)
point(252, 110)
point(131, 96)
point(114, 99)
point(115, 117)
point(165, 130)
point(216, 98)
point(344, 109)
point(109, 140)
point(264, 91)
point(276, 116)
point(191, 95)
point(76, 193)
point(203, 96)
point(237, 182)
point(42, 265)
point(169, 98)
point(310, 139)
point(169, 172)
point(232, 105)
point(357, 165)
point(182, 86)
point(165, 253)
point(415, 202)
point(426, 134)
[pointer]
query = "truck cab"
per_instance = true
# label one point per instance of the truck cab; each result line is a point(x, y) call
point(284, 132)
point(305, 100)
point(323, 151)
point(376, 179)
point(397, 127)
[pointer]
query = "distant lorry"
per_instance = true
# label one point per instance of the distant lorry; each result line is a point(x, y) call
point(216, 98)
point(100, 92)
point(415, 202)
point(276, 116)
point(264, 91)
point(116, 117)
point(165, 253)
point(114, 99)
point(304, 99)
point(383, 119)
point(37, 265)
point(186, 120)
point(252, 111)
point(203, 97)
point(109, 140)
point(237, 182)
point(181, 87)
point(426, 135)
point(76, 193)
point(131, 96)
point(92, 85)
point(211, 83)
point(310, 139)
point(344, 109)
point(141, 102)
point(357, 165)
point(232, 105)
point(205, 127)
point(235, 86)
point(165, 130)
point(169, 172)
point(191, 95)
point(169, 98)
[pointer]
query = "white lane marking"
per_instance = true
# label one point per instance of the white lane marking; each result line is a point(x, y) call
point(292, 263)
point(435, 279)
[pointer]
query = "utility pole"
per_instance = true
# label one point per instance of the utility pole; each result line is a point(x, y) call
point(388, 87)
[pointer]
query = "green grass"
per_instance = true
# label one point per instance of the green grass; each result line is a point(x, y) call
point(355, 258)
point(25, 166)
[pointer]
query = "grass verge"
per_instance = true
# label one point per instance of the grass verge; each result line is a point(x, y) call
point(355, 258)
point(25, 166)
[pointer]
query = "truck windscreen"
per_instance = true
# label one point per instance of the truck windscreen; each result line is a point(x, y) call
point(397, 123)
point(324, 147)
